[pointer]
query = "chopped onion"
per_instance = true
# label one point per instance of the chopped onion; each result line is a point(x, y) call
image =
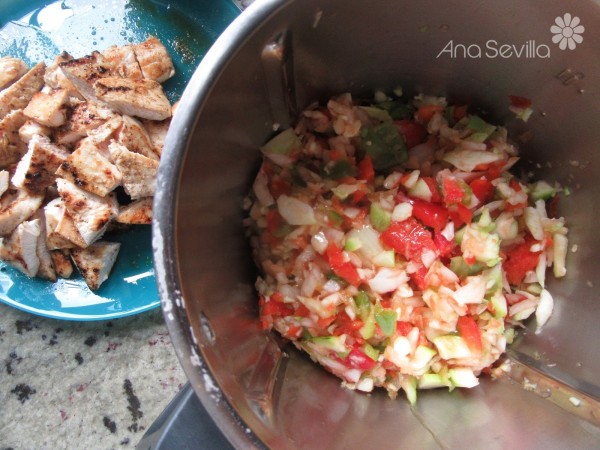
point(472, 292)
point(561, 243)
point(544, 310)
point(402, 211)
point(295, 212)
point(261, 189)
point(533, 221)
point(448, 231)
point(467, 159)
point(540, 269)
point(388, 280)
point(319, 242)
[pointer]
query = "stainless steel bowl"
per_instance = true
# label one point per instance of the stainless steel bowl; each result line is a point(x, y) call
point(281, 55)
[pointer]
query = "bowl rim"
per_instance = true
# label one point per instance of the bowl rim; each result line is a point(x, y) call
point(164, 242)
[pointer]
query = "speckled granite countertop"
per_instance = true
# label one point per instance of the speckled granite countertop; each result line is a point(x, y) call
point(92, 385)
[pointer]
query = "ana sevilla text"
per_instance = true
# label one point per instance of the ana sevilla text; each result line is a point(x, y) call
point(492, 49)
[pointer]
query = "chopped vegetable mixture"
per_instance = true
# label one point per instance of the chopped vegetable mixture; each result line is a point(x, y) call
point(395, 246)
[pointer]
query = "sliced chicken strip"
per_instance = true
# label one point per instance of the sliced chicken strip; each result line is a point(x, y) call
point(48, 108)
point(134, 136)
point(91, 213)
point(67, 230)
point(4, 181)
point(88, 169)
point(20, 248)
point(30, 128)
point(154, 60)
point(140, 98)
point(56, 79)
point(82, 118)
point(122, 61)
point(36, 169)
point(157, 131)
point(138, 212)
point(46, 268)
point(139, 172)
point(62, 263)
point(12, 148)
point(19, 207)
point(102, 136)
point(11, 69)
point(83, 72)
point(18, 94)
point(96, 261)
point(56, 224)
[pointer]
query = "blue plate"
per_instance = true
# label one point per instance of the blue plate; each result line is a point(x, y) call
point(37, 31)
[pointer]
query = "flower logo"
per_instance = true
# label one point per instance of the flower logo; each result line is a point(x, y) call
point(567, 32)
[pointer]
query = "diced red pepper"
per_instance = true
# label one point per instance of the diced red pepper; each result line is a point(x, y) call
point(430, 214)
point(460, 215)
point(302, 311)
point(366, 171)
point(413, 132)
point(408, 238)
point(276, 308)
point(469, 331)
point(404, 328)
point(519, 102)
point(444, 246)
point(426, 112)
point(294, 331)
point(274, 220)
point(279, 186)
point(418, 278)
point(324, 322)
point(482, 188)
point(357, 359)
point(342, 268)
point(520, 260)
point(433, 187)
point(345, 325)
point(452, 190)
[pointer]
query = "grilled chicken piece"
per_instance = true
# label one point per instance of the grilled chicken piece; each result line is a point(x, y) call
point(122, 61)
point(157, 131)
point(58, 227)
point(67, 229)
point(11, 69)
point(18, 94)
point(141, 98)
point(83, 72)
point(4, 181)
point(91, 213)
point(134, 136)
point(12, 147)
point(101, 137)
point(138, 212)
point(30, 128)
point(138, 171)
point(56, 79)
point(82, 118)
point(154, 60)
point(48, 107)
point(36, 169)
point(20, 248)
point(17, 208)
point(89, 170)
point(62, 263)
point(46, 268)
point(96, 261)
